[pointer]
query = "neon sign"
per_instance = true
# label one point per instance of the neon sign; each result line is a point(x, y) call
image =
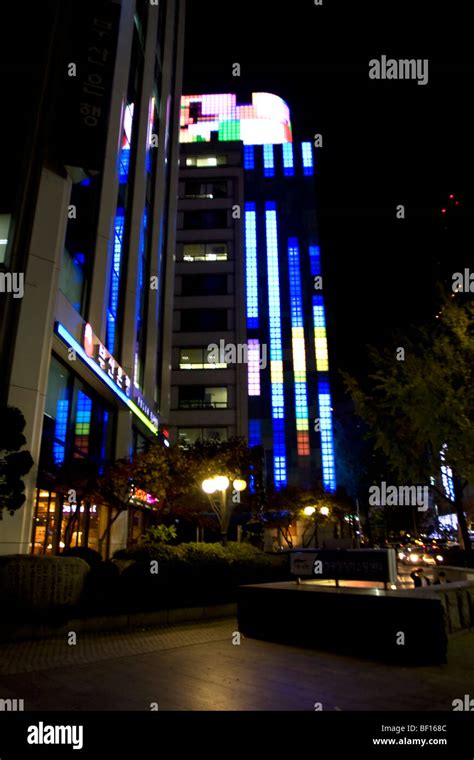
point(106, 368)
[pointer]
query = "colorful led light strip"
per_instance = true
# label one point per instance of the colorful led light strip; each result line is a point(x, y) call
point(288, 165)
point(307, 157)
point(299, 352)
point(68, 338)
point(327, 439)
point(251, 272)
point(320, 339)
point(276, 354)
point(253, 358)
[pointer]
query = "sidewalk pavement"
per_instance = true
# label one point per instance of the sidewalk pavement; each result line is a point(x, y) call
point(202, 666)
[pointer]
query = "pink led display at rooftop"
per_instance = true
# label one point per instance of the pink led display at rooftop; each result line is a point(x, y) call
point(264, 121)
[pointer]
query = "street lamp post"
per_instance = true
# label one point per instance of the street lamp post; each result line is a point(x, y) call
point(313, 512)
point(220, 483)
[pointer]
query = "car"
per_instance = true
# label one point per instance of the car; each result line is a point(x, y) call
point(423, 556)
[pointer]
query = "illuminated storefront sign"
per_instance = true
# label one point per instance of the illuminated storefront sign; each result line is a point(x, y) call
point(98, 352)
point(96, 356)
point(141, 497)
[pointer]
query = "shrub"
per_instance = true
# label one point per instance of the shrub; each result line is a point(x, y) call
point(159, 534)
point(194, 573)
point(83, 552)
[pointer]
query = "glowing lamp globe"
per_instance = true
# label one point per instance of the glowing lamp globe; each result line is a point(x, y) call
point(222, 482)
point(239, 484)
point(308, 511)
point(209, 485)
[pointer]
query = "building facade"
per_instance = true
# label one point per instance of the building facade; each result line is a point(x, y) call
point(248, 223)
point(86, 363)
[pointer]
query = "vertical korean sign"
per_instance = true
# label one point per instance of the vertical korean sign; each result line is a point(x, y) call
point(82, 123)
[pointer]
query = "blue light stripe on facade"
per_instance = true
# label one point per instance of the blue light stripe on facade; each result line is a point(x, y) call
point(327, 438)
point(251, 271)
point(60, 430)
point(249, 157)
point(307, 157)
point(276, 354)
point(115, 279)
point(255, 432)
point(288, 163)
point(315, 260)
point(268, 161)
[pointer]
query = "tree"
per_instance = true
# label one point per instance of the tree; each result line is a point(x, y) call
point(232, 458)
point(286, 506)
point(422, 405)
point(360, 465)
point(14, 464)
point(174, 475)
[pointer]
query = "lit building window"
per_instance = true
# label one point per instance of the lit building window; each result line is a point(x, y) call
point(276, 355)
point(268, 161)
point(189, 436)
point(205, 161)
point(254, 367)
point(327, 441)
point(205, 252)
point(198, 358)
point(251, 273)
point(288, 167)
point(307, 157)
point(299, 351)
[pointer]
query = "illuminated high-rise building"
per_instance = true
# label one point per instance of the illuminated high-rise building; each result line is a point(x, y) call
point(84, 353)
point(247, 216)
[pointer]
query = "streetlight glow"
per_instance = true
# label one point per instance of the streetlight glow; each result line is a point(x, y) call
point(239, 484)
point(209, 485)
point(222, 482)
point(308, 511)
point(324, 511)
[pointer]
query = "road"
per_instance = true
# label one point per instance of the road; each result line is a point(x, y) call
point(203, 667)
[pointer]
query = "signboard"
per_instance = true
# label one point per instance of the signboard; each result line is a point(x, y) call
point(95, 355)
point(81, 125)
point(142, 498)
point(345, 564)
point(98, 352)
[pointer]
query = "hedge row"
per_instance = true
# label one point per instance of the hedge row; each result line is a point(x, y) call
point(162, 576)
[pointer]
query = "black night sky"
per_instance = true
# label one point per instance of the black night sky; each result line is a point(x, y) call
point(384, 143)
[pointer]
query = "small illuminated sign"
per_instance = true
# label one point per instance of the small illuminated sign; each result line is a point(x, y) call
point(139, 496)
point(98, 352)
point(96, 356)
